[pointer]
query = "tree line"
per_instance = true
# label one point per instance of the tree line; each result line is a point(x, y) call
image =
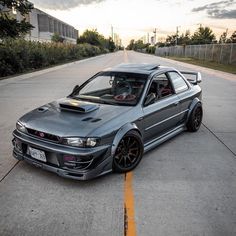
point(203, 35)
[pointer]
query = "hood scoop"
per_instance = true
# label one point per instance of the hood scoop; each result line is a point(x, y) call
point(77, 106)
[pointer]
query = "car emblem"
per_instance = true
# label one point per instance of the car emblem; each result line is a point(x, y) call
point(41, 135)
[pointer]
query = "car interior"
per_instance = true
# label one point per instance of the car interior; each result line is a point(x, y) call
point(160, 88)
point(120, 89)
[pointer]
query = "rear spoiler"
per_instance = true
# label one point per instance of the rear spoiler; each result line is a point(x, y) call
point(192, 77)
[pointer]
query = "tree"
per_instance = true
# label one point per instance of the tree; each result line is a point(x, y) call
point(111, 45)
point(184, 39)
point(135, 45)
point(223, 38)
point(171, 40)
point(57, 38)
point(233, 37)
point(131, 45)
point(9, 26)
point(204, 35)
point(94, 38)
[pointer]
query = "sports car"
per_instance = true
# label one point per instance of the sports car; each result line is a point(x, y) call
point(110, 121)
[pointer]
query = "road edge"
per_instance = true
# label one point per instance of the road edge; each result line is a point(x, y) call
point(8, 80)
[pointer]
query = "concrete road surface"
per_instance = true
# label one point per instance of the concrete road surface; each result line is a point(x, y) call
point(187, 186)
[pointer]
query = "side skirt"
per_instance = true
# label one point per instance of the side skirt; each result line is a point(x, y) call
point(170, 134)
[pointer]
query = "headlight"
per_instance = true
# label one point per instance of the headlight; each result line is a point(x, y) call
point(80, 142)
point(91, 142)
point(20, 127)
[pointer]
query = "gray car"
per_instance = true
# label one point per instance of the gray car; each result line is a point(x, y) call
point(107, 123)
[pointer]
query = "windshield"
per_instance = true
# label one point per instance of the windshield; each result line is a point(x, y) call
point(117, 88)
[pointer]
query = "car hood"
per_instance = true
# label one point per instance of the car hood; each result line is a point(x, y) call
point(70, 117)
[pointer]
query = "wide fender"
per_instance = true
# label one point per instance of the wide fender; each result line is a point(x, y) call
point(193, 104)
point(120, 134)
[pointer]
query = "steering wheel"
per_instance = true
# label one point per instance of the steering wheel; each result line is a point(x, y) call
point(122, 87)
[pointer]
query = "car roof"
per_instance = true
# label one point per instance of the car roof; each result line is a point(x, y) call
point(140, 68)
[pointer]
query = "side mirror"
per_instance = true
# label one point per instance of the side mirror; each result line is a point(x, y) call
point(150, 99)
point(75, 90)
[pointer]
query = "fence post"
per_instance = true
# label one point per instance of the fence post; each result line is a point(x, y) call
point(199, 50)
point(205, 52)
point(212, 52)
point(231, 52)
point(221, 48)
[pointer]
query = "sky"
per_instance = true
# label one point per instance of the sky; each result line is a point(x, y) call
point(135, 19)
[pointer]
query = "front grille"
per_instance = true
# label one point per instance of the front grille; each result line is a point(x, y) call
point(43, 135)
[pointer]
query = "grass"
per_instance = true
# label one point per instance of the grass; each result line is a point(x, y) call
point(208, 64)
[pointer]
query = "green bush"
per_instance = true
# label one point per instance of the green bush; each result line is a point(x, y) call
point(151, 49)
point(17, 56)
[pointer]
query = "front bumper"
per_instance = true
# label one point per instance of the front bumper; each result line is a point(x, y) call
point(90, 162)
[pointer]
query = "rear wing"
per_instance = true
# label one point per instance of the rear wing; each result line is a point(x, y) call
point(192, 77)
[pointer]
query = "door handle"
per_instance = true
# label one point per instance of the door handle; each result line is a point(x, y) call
point(140, 118)
point(176, 103)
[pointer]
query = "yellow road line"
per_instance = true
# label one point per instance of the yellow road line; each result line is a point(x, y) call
point(129, 224)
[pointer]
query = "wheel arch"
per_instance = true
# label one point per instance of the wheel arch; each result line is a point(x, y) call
point(120, 134)
point(193, 104)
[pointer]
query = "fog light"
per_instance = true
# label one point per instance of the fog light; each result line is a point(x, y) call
point(17, 144)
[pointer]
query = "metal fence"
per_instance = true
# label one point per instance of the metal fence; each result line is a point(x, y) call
point(221, 53)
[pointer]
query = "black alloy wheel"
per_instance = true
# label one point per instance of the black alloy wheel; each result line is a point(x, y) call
point(128, 153)
point(195, 118)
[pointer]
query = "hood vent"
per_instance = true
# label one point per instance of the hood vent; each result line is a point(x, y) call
point(77, 106)
point(42, 109)
point(91, 119)
point(87, 119)
point(95, 120)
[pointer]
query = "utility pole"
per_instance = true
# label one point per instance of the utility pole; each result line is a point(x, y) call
point(200, 25)
point(147, 37)
point(226, 33)
point(112, 33)
point(155, 35)
point(177, 33)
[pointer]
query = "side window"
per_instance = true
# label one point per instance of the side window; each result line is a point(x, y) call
point(163, 86)
point(178, 82)
point(160, 87)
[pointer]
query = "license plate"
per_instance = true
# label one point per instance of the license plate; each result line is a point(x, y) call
point(37, 154)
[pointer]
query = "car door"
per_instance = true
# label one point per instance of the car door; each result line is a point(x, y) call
point(182, 90)
point(160, 114)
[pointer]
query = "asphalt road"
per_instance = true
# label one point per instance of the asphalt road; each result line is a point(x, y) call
point(187, 186)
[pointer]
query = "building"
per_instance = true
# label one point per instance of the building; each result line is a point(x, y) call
point(45, 26)
point(117, 40)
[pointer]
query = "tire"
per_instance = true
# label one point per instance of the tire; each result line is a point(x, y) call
point(195, 119)
point(129, 152)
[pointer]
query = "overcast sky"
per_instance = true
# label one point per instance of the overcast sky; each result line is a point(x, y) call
point(137, 18)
